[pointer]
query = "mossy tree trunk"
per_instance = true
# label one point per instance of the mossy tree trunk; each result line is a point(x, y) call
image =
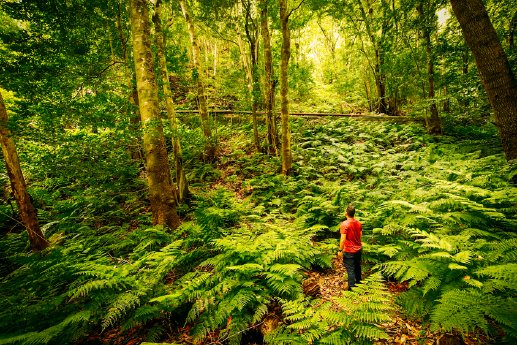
point(287, 158)
point(27, 211)
point(162, 193)
point(272, 132)
point(199, 79)
point(161, 44)
point(494, 68)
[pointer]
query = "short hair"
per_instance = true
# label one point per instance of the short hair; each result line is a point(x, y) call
point(350, 210)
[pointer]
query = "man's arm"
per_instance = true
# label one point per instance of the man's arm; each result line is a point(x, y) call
point(342, 230)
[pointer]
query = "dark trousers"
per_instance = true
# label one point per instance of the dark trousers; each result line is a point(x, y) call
point(352, 262)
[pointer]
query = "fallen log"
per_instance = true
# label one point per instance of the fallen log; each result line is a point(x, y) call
point(354, 115)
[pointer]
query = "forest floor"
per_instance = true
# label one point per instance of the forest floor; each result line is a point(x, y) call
point(330, 284)
point(401, 330)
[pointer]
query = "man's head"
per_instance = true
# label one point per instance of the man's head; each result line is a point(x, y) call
point(350, 211)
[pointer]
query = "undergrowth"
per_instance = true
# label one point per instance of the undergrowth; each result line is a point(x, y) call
point(437, 212)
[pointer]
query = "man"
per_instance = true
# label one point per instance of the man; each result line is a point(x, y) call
point(350, 246)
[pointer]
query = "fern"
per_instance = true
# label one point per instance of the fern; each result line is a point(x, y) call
point(417, 303)
point(464, 310)
point(503, 277)
point(351, 319)
point(437, 212)
point(253, 267)
point(67, 328)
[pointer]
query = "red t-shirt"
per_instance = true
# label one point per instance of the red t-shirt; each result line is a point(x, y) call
point(353, 230)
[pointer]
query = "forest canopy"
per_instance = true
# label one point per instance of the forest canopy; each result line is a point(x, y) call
point(176, 171)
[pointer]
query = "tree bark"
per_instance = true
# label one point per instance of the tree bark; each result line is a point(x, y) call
point(27, 211)
point(465, 57)
point(272, 132)
point(161, 44)
point(434, 125)
point(198, 77)
point(380, 81)
point(446, 101)
point(494, 68)
point(511, 31)
point(252, 36)
point(380, 78)
point(135, 149)
point(162, 193)
point(287, 158)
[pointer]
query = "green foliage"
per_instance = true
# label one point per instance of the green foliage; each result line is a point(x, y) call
point(251, 268)
point(466, 310)
point(351, 319)
point(217, 211)
point(451, 232)
point(434, 212)
point(439, 212)
point(66, 295)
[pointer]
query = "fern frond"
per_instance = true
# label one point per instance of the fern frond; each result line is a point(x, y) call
point(389, 250)
point(506, 250)
point(463, 257)
point(369, 332)
point(69, 325)
point(505, 275)
point(504, 311)
point(415, 304)
point(143, 314)
point(433, 283)
point(414, 208)
point(260, 312)
point(462, 311)
point(479, 233)
point(155, 333)
point(124, 303)
point(94, 285)
point(414, 270)
point(336, 338)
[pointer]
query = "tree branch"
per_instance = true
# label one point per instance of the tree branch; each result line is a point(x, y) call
point(295, 8)
point(98, 75)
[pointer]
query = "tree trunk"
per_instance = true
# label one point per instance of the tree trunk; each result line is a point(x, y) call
point(161, 44)
point(135, 149)
point(434, 125)
point(27, 211)
point(380, 78)
point(380, 81)
point(134, 123)
point(215, 60)
point(497, 76)
point(284, 89)
point(162, 193)
point(198, 78)
point(272, 132)
point(252, 36)
point(446, 101)
point(367, 92)
point(255, 100)
point(511, 31)
point(465, 70)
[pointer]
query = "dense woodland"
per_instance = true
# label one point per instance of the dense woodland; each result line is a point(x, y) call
point(176, 171)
